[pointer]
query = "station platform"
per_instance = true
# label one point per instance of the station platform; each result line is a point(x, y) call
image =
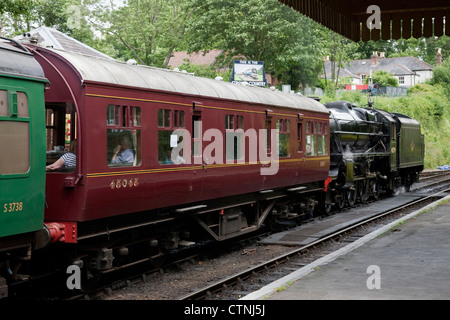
point(408, 259)
point(313, 231)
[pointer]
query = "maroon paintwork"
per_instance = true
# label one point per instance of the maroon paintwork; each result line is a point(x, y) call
point(86, 194)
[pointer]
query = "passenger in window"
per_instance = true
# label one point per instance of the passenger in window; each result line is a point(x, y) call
point(179, 158)
point(123, 152)
point(67, 160)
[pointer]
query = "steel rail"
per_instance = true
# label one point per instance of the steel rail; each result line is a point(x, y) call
point(238, 277)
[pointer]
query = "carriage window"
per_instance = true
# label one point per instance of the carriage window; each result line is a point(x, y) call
point(240, 122)
point(310, 139)
point(112, 115)
point(284, 127)
point(269, 135)
point(316, 142)
point(164, 116)
point(234, 133)
point(135, 116)
point(4, 111)
point(14, 133)
point(22, 105)
point(60, 120)
point(178, 119)
point(299, 137)
point(123, 135)
point(166, 140)
point(322, 147)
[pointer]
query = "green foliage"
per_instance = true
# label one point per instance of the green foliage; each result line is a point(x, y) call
point(423, 48)
point(145, 30)
point(16, 7)
point(258, 30)
point(205, 71)
point(383, 78)
point(339, 50)
point(441, 76)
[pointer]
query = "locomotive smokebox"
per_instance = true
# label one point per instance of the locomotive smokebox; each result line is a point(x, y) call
point(354, 128)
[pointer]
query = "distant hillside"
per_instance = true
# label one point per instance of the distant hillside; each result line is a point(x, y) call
point(426, 103)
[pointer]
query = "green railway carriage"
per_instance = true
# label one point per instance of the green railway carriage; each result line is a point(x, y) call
point(22, 145)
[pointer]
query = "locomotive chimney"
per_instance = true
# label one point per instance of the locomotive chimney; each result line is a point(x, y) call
point(439, 57)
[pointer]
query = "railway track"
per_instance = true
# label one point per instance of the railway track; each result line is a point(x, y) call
point(251, 279)
point(238, 283)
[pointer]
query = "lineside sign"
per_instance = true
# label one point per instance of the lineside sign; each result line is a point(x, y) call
point(251, 72)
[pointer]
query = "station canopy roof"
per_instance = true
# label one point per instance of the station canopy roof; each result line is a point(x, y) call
point(398, 18)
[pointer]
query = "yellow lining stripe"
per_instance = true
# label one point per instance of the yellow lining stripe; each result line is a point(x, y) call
point(179, 168)
point(189, 105)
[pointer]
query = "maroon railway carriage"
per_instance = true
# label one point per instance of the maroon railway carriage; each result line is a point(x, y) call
point(101, 103)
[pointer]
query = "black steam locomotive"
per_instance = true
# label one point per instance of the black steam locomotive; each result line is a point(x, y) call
point(371, 151)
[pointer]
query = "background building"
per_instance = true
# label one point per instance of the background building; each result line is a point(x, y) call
point(409, 71)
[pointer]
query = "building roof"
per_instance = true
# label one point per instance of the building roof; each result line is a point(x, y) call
point(206, 58)
point(363, 66)
point(396, 66)
point(52, 38)
point(400, 69)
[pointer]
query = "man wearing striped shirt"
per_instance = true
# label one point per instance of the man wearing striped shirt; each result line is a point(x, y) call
point(67, 160)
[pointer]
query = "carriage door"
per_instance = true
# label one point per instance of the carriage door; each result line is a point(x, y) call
point(197, 150)
point(393, 143)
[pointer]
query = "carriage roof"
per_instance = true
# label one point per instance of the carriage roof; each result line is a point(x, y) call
point(109, 71)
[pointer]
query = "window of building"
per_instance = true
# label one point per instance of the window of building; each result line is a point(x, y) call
point(14, 133)
point(123, 135)
point(401, 80)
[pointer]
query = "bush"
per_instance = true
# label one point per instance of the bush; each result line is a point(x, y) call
point(383, 79)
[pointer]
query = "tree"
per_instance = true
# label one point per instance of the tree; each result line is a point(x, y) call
point(441, 76)
point(339, 50)
point(145, 30)
point(257, 30)
point(17, 13)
